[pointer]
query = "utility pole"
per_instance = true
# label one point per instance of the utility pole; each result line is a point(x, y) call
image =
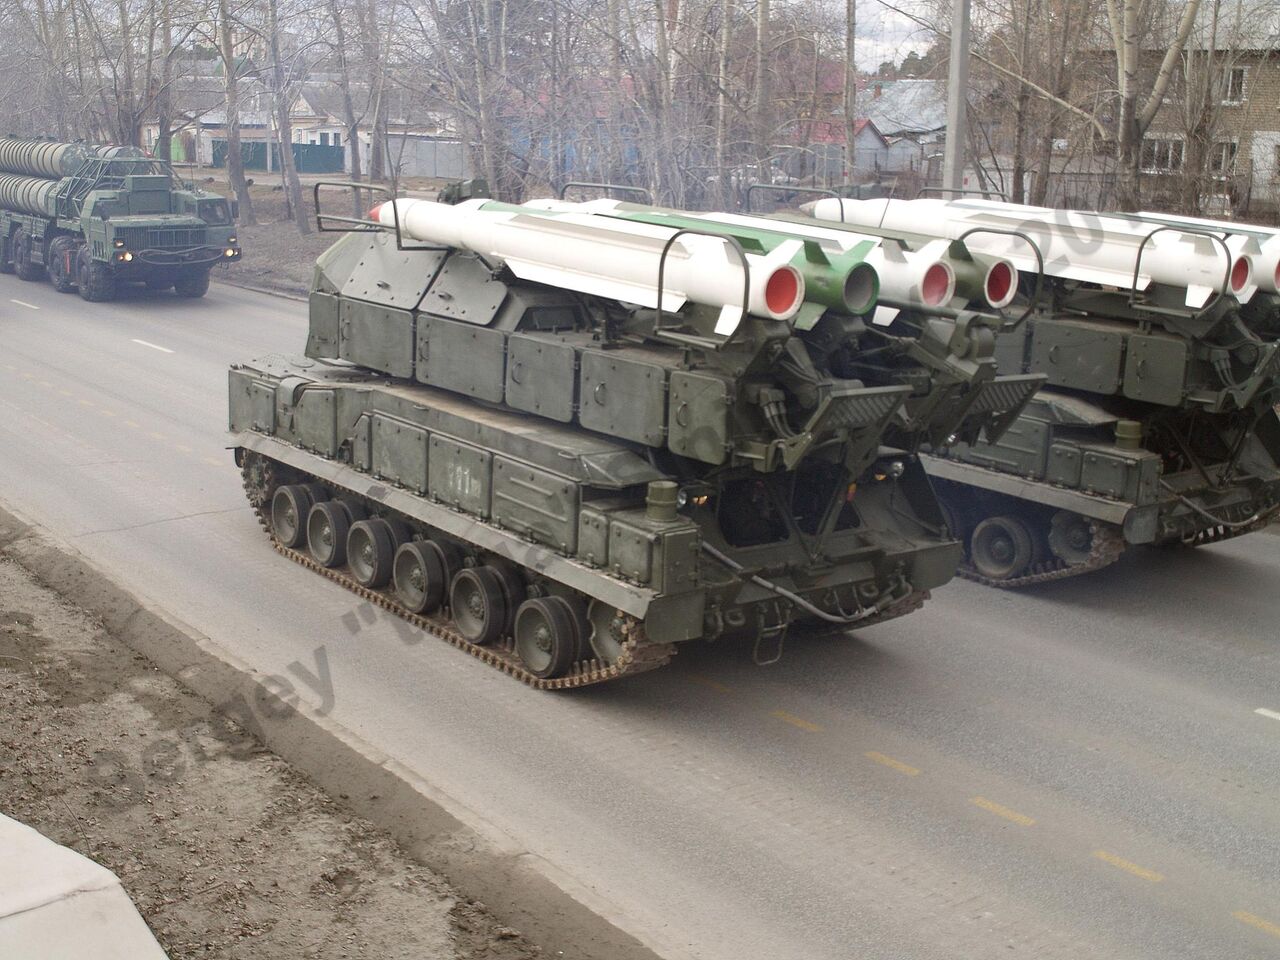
point(957, 91)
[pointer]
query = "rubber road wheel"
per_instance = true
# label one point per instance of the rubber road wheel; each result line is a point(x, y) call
point(289, 509)
point(192, 286)
point(6, 255)
point(1001, 548)
point(328, 524)
point(546, 637)
point(421, 576)
point(479, 604)
point(371, 549)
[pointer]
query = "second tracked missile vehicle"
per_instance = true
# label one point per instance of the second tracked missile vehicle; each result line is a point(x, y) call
point(92, 218)
point(1157, 424)
point(567, 444)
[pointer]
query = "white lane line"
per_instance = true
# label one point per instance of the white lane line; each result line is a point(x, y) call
point(152, 346)
point(23, 303)
point(1264, 712)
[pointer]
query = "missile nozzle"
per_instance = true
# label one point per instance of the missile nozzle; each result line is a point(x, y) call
point(784, 290)
point(938, 285)
point(1001, 283)
point(1241, 271)
point(860, 288)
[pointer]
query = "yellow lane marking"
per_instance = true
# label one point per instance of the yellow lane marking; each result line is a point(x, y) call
point(1127, 866)
point(65, 393)
point(1000, 811)
point(86, 403)
point(710, 684)
point(1266, 926)
point(182, 448)
point(105, 412)
point(23, 303)
point(157, 436)
point(1264, 712)
point(28, 376)
point(214, 463)
point(130, 423)
point(795, 721)
point(45, 383)
point(888, 761)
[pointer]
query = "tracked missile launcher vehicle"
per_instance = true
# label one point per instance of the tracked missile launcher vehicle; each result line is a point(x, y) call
point(91, 218)
point(1157, 425)
point(566, 443)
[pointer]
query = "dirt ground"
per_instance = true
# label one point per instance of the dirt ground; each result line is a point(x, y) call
point(227, 851)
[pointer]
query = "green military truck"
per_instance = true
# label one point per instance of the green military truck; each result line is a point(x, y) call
point(91, 218)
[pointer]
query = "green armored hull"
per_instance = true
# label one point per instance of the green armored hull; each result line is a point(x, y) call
point(1155, 432)
point(568, 485)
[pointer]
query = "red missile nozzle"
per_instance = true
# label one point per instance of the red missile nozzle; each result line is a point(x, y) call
point(782, 292)
point(1000, 284)
point(1239, 274)
point(937, 286)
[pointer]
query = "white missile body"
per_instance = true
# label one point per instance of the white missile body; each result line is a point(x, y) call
point(924, 276)
point(1266, 256)
point(610, 258)
point(1076, 245)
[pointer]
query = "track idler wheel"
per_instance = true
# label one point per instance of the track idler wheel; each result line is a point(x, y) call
point(371, 550)
point(1070, 537)
point(547, 636)
point(328, 524)
point(422, 571)
point(1002, 548)
point(478, 602)
point(289, 509)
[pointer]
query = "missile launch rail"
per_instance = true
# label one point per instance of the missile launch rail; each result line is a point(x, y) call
point(567, 484)
point(91, 218)
point(1157, 424)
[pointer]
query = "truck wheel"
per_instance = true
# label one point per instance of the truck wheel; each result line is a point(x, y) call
point(24, 266)
point(62, 259)
point(192, 285)
point(96, 281)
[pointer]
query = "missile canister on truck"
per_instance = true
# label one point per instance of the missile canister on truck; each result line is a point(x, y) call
point(559, 442)
point(1157, 424)
point(93, 217)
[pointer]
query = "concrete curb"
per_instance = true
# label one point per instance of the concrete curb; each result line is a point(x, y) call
point(521, 889)
point(259, 288)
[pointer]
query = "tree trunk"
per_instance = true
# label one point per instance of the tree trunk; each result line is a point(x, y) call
point(850, 90)
point(349, 119)
point(1017, 188)
point(762, 134)
point(722, 104)
point(284, 124)
point(164, 96)
point(235, 162)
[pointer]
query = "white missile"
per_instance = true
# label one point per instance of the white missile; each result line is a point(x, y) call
point(1076, 245)
point(1261, 244)
point(924, 276)
point(609, 258)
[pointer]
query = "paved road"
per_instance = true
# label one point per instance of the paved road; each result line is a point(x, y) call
point(1086, 769)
